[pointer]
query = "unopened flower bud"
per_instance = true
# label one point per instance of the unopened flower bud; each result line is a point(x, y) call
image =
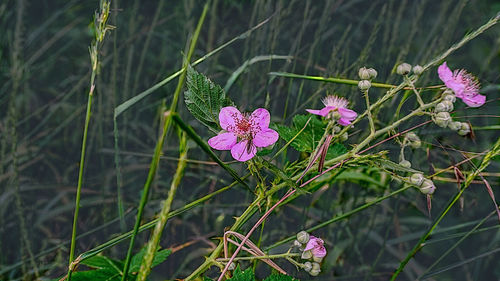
point(448, 104)
point(336, 129)
point(307, 266)
point(417, 179)
point(344, 136)
point(417, 69)
point(364, 85)
point(450, 97)
point(307, 255)
point(442, 119)
point(314, 272)
point(440, 107)
point(448, 92)
point(297, 244)
point(373, 73)
point(416, 144)
point(364, 73)
point(413, 139)
point(405, 163)
point(231, 266)
point(403, 69)
point(464, 129)
point(427, 187)
point(317, 259)
point(335, 115)
point(303, 237)
point(455, 125)
point(316, 269)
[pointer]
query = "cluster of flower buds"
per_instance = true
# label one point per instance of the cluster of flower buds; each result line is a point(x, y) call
point(426, 186)
point(366, 74)
point(405, 69)
point(344, 136)
point(443, 118)
point(312, 250)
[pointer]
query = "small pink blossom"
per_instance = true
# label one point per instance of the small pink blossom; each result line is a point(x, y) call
point(243, 132)
point(463, 84)
point(316, 246)
point(336, 104)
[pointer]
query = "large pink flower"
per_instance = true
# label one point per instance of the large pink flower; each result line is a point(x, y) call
point(336, 104)
point(243, 132)
point(316, 246)
point(463, 84)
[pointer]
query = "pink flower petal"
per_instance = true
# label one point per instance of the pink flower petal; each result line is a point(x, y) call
point(265, 138)
point(224, 141)
point(319, 252)
point(445, 73)
point(314, 111)
point(324, 112)
point(240, 151)
point(474, 101)
point(260, 118)
point(347, 113)
point(228, 117)
point(316, 246)
point(344, 122)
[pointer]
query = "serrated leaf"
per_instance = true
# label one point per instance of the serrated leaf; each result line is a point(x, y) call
point(204, 99)
point(101, 262)
point(159, 257)
point(239, 275)
point(100, 274)
point(280, 277)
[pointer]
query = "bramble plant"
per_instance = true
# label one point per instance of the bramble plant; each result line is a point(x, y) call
point(363, 131)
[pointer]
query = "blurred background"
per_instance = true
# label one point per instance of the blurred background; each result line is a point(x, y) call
point(44, 82)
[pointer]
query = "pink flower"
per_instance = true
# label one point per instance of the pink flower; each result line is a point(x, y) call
point(464, 84)
point(243, 132)
point(316, 246)
point(336, 104)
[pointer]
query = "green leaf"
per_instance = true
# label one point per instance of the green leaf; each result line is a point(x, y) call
point(160, 257)
point(309, 138)
point(280, 277)
point(101, 262)
point(204, 99)
point(100, 274)
point(239, 275)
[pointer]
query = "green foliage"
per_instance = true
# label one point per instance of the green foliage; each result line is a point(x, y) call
point(111, 270)
point(248, 275)
point(280, 277)
point(309, 138)
point(204, 99)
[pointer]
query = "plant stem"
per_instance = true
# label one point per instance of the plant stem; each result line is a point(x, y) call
point(147, 261)
point(159, 145)
point(486, 161)
point(368, 111)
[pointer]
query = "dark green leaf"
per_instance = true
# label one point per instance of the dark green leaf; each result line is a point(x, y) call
point(280, 277)
point(102, 262)
point(204, 99)
point(100, 274)
point(160, 256)
point(239, 275)
point(309, 138)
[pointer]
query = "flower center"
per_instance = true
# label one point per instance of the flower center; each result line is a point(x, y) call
point(335, 101)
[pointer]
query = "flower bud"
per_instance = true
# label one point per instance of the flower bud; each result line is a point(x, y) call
point(307, 266)
point(314, 272)
point(464, 129)
point(297, 244)
point(450, 97)
point(417, 179)
point(417, 69)
point(448, 92)
point(317, 259)
point(416, 144)
point(231, 266)
point(335, 115)
point(364, 73)
point(455, 125)
point(344, 136)
point(303, 237)
point(427, 187)
point(440, 107)
point(403, 69)
point(448, 104)
point(442, 119)
point(336, 129)
point(364, 85)
point(413, 139)
point(405, 163)
point(307, 255)
point(373, 73)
